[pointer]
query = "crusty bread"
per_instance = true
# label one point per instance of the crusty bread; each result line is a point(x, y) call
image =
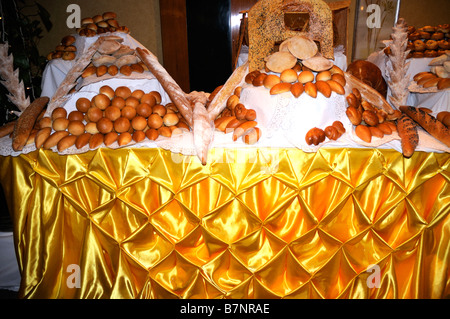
point(429, 123)
point(26, 122)
point(407, 130)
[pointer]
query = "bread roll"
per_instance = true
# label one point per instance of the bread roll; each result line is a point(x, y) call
point(113, 70)
point(279, 88)
point(148, 99)
point(297, 89)
point(323, 88)
point(271, 80)
point(8, 128)
point(311, 89)
point(323, 76)
point(124, 139)
point(152, 134)
point(96, 140)
point(252, 136)
point(123, 92)
point(91, 128)
point(289, 75)
point(53, 139)
point(305, 76)
point(138, 136)
point(139, 123)
point(315, 136)
point(354, 115)
point(110, 138)
point(363, 132)
point(66, 142)
point(58, 113)
point(41, 136)
point(82, 140)
point(122, 125)
point(336, 87)
point(429, 123)
point(76, 128)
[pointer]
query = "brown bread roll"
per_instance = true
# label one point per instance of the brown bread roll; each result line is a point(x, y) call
point(53, 139)
point(315, 136)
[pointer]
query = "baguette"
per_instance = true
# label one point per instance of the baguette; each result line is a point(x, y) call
point(407, 130)
point(26, 122)
point(429, 123)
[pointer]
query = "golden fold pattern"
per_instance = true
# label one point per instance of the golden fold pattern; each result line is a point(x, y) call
point(253, 223)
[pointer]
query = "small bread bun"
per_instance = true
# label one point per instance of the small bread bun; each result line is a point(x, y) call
point(82, 140)
point(170, 119)
point(86, 21)
point(259, 79)
point(53, 139)
point(68, 40)
point(122, 125)
point(311, 89)
point(59, 112)
point(68, 56)
point(113, 70)
point(306, 76)
point(113, 23)
point(60, 124)
point(105, 125)
point(108, 91)
point(66, 142)
point(118, 102)
point(444, 44)
point(76, 116)
point(281, 87)
point(289, 76)
point(430, 53)
point(271, 80)
point(102, 101)
point(128, 112)
point(94, 114)
point(157, 96)
point(429, 29)
point(297, 89)
point(112, 113)
point(144, 110)
point(110, 138)
point(148, 99)
point(41, 136)
point(139, 123)
point(138, 94)
point(323, 76)
point(96, 140)
point(165, 131)
point(102, 24)
point(136, 67)
point(126, 70)
point(160, 110)
point(152, 134)
point(123, 92)
point(417, 54)
point(124, 139)
point(155, 121)
point(324, 88)
point(363, 132)
point(90, 70)
point(109, 15)
point(91, 128)
point(76, 128)
point(45, 122)
point(132, 101)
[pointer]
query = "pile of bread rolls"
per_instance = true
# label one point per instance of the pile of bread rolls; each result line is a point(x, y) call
point(101, 23)
point(299, 80)
point(114, 58)
point(237, 119)
point(428, 41)
point(119, 115)
point(66, 50)
point(368, 120)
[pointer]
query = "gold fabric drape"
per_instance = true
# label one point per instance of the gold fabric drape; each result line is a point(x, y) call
point(253, 223)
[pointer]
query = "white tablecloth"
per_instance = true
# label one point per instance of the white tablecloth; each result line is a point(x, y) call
point(439, 101)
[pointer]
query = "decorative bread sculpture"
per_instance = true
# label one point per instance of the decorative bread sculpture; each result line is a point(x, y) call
point(267, 27)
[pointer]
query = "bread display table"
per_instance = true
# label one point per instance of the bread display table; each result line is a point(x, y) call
point(143, 223)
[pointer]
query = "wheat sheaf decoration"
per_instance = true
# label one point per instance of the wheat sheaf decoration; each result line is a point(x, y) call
point(10, 80)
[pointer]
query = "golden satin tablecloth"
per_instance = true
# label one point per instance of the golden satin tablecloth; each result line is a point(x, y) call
point(253, 223)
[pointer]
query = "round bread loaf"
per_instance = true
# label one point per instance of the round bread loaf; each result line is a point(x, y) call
point(370, 74)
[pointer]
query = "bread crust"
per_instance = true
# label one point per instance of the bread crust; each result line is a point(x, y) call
point(26, 122)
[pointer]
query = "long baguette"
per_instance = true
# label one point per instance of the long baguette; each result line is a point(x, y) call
point(407, 130)
point(26, 122)
point(429, 123)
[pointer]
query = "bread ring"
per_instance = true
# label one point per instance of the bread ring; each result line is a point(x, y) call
point(419, 45)
point(431, 45)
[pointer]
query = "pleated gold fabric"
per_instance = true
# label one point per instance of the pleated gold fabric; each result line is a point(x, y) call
point(253, 223)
